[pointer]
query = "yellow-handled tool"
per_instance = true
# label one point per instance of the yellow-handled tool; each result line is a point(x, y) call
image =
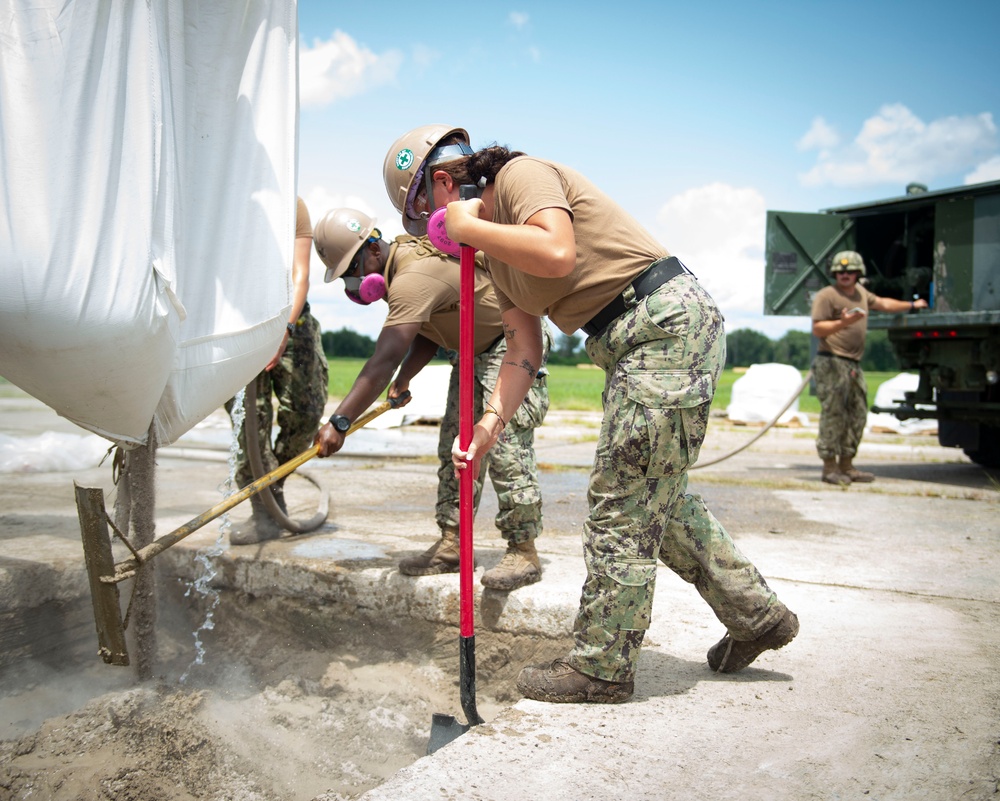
point(105, 575)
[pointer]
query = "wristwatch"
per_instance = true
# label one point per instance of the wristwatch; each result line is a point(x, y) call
point(290, 328)
point(340, 422)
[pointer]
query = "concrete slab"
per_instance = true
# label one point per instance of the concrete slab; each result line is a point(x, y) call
point(888, 692)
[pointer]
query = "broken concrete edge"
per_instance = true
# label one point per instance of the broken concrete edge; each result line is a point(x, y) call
point(546, 609)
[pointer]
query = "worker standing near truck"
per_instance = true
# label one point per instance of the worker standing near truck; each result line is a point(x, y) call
point(840, 322)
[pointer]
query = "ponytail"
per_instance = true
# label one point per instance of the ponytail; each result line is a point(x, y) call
point(483, 165)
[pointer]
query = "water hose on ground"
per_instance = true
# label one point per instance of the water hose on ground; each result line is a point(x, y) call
point(252, 439)
point(764, 430)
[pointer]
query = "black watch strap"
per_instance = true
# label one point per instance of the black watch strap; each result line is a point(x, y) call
point(340, 422)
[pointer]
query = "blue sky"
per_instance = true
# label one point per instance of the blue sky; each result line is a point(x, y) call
point(697, 118)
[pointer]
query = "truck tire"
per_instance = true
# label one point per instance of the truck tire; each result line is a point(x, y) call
point(988, 452)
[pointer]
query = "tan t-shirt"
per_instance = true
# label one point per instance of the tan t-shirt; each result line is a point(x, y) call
point(828, 303)
point(611, 247)
point(303, 225)
point(424, 287)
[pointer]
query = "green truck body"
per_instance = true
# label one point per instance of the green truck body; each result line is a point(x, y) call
point(942, 246)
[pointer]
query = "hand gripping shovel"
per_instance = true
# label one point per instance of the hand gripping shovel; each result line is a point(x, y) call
point(444, 728)
point(105, 575)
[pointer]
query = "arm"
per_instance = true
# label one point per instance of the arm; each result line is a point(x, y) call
point(300, 290)
point(896, 306)
point(544, 246)
point(824, 328)
point(421, 351)
point(523, 333)
point(391, 346)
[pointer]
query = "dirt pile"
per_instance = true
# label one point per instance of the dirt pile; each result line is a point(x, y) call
point(288, 704)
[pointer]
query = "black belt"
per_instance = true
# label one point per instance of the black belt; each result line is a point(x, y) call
point(651, 279)
point(835, 356)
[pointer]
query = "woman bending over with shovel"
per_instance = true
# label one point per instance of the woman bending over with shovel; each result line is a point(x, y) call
point(556, 245)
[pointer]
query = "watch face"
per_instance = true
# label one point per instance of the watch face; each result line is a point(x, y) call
point(340, 422)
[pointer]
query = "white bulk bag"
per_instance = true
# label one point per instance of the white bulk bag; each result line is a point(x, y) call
point(147, 204)
point(760, 393)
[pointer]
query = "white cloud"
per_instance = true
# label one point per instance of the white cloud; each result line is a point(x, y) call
point(338, 68)
point(820, 136)
point(989, 170)
point(718, 232)
point(896, 146)
point(334, 310)
point(319, 200)
point(518, 19)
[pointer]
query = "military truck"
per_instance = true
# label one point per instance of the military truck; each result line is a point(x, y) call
point(943, 246)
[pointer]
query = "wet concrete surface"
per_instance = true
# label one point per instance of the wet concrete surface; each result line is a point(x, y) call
point(888, 692)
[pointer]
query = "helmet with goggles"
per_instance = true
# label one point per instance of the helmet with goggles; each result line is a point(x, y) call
point(847, 261)
point(338, 238)
point(404, 169)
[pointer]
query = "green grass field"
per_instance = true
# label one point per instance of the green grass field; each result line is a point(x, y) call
point(579, 388)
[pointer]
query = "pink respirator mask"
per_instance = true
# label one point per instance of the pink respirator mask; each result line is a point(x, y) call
point(437, 231)
point(365, 291)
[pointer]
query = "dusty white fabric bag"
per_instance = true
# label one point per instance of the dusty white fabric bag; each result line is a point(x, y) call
point(147, 204)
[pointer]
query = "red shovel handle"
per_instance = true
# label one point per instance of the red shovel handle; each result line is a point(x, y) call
point(466, 413)
point(466, 423)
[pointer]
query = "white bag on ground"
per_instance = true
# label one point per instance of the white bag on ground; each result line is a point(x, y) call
point(892, 393)
point(760, 393)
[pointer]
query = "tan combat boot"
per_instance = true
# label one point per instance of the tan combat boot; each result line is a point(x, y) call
point(729, 655)
point(847, 467)
point(560, 683)
point(519, 567)
point(832, 475)
point(441, 557)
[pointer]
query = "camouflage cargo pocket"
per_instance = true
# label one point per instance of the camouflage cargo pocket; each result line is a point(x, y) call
point(674, 408)
point(635, 581)
point(531, 413)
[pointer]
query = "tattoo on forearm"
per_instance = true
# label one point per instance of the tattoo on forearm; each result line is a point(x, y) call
point(525, 365)
point(508, 332)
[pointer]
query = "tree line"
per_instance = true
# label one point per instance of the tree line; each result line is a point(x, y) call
point(744, 347)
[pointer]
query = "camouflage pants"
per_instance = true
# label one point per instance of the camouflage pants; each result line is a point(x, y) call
point(299, 382)
point(662, 360)
point(843, 401)
point(510, 463)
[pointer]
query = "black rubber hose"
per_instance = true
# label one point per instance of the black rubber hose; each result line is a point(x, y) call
point(764, 430)
point(257, 468)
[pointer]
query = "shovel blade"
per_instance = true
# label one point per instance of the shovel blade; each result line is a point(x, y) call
point(444, 729)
